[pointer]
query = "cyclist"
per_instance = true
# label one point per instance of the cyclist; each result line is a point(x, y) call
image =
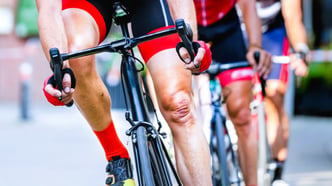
point(77, 24)
point(219, 24)
point(281, 18)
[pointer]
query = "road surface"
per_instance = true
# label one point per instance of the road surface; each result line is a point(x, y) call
point(56, 147)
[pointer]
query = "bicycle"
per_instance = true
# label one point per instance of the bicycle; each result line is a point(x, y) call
point(225, 165)
point(266, 165)
point(222, 149)
point(153, 163)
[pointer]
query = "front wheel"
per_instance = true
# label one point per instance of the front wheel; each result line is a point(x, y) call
point(218, 152)
point(142, 158)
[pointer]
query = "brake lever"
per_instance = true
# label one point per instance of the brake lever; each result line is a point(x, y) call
point(186, 36)
point(261, 79)
point(56, 65)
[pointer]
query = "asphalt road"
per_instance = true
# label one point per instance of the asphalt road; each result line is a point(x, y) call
point(56, 147)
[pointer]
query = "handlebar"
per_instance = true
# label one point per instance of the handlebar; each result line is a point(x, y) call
point(119, 46)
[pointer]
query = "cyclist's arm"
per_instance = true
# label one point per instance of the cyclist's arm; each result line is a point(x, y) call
point(253, 28)
point(184, 9)
point(252, 22)
point(51, 26)
point(292, 13)
point(52, 34)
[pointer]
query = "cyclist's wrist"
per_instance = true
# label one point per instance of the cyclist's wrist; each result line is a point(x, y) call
point(302, 52)
point(254, 45)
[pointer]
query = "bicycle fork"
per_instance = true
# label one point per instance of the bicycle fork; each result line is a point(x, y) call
point(265, 169)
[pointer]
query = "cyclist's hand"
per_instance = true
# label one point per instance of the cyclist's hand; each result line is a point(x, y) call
point(299, 64)
point(54, 96)
point(264, 66)
point(201, 61)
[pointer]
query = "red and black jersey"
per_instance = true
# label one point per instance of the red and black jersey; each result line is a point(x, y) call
point(210, 11)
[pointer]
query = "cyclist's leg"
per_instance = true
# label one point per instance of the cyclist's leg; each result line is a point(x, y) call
point(174, 95)
point(237, 91)
point(202, 98)
point(91, 96)
point(238, 96)
point(276, 43)
point(176, 104)
point(277, 123)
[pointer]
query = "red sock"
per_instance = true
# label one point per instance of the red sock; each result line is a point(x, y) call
point(111, 143)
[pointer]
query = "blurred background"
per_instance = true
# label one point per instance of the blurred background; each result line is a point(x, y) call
point(41, 144)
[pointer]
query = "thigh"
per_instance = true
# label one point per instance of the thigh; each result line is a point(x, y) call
point(99, 11)
point(81, 32)
point(151, 16)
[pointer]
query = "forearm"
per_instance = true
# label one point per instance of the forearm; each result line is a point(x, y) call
point(184, 9)
point(51, 27)
point(292, 13)
point(252, 22)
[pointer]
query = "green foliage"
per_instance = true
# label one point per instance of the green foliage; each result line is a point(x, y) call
point(317, 71)
point(27, 15)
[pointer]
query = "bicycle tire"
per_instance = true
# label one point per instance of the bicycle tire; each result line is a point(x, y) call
point(158, 164)
point(154, 165)
point(235, 174)
point(220, 173)
point(144, 169)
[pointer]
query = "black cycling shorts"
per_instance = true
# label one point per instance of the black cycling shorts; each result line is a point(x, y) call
point(228, 46)
point(227, 38)
point(145, 16)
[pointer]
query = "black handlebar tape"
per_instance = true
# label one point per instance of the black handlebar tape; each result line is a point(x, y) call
point(261, 79)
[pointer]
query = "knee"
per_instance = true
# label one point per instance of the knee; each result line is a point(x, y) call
point(275, 94)
point(242, 123)
point(240, 114)
point(275, 98)
point(242, 117)
point(177, 108)
point(82, 66)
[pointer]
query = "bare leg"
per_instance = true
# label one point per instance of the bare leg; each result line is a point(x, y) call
point(91, 95)
point(278, 125)
point(173, 89)
point(238, 96)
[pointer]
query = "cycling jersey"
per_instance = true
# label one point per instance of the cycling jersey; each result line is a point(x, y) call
point(145, 16)
point(269, 12)
point(210, 11)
